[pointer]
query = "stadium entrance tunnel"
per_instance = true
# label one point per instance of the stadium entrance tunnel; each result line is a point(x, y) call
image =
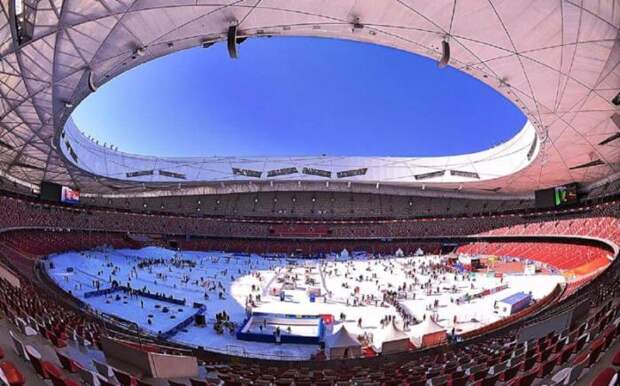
point(312, 105)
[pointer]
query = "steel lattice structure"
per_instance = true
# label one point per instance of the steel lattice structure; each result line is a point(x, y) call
point(557, 60)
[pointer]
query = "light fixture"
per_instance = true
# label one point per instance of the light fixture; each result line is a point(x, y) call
point(445, 53)
point(232, 41)
point(357, 25)
point(91, 81)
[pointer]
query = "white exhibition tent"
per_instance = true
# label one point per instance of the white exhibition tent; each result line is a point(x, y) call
point(342, 344)
point(393, 339)
point(428, 333)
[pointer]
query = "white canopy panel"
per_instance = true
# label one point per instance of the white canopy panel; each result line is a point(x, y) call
point(557, 60)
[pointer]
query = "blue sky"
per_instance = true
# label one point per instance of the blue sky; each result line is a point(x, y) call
point(297, 96)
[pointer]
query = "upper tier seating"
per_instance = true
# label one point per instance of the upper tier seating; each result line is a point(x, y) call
point(601, 220)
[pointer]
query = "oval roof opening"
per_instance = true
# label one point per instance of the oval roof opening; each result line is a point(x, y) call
point(298, 97)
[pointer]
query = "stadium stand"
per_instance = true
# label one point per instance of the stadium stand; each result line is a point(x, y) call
point(310, 205)
point(555, 60)
point(486, 357)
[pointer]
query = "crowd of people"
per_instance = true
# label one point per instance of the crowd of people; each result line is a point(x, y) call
point(223, 323)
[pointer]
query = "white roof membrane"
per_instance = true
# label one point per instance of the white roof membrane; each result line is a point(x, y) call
point(557, 60)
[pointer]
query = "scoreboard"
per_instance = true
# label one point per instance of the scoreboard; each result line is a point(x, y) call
point(557, 197)
point(58, 193)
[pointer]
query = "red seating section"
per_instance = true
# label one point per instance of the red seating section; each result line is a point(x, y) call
point(559, 255)
point(604, 377)
point(13, 375)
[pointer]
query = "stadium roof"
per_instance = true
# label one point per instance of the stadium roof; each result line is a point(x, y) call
point(557, 60)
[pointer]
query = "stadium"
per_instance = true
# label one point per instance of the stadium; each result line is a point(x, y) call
point(494, 267)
